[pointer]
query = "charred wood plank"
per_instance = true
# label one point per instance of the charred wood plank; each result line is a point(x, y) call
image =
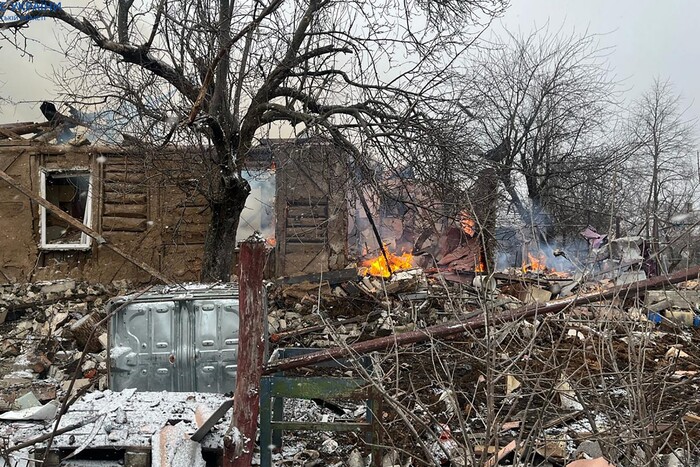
point(84, 333)
point(332, 277)
point(25, 128)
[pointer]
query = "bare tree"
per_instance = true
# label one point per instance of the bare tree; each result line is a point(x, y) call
point(662, 169)
point(218, 74)
point(541, 103)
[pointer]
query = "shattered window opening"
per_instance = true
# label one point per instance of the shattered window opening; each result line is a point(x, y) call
point(70, 191)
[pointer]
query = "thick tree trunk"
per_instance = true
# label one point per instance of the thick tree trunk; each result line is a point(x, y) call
point(220, 241)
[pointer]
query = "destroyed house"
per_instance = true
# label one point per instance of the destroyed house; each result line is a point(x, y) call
point(145, 203)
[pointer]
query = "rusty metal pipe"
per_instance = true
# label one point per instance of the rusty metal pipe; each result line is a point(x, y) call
point(445, 330)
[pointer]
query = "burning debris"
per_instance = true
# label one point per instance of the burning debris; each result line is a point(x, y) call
point(468, 224)
point(380, 267)
point(338, 313)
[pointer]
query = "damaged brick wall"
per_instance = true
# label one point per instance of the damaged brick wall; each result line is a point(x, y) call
point(148, 206)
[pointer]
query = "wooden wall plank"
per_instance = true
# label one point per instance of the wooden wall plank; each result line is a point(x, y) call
point(125, 210)
point(113, 197)
point(123, 224)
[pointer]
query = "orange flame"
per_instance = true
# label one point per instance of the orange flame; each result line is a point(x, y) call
point(467, 223)
point(377, 266)
point(272, 241)
point(538, 263)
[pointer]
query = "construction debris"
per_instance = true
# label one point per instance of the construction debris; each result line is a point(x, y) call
point(445, 351)
point(43, 338)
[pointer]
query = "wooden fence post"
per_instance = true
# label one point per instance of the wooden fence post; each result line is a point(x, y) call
point(239, 441)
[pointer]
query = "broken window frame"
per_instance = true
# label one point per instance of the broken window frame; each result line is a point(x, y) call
point(85, 240)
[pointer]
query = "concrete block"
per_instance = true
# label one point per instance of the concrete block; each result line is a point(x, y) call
point(26, 401)
point(137, 459)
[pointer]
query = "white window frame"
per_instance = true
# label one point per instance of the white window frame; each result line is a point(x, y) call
point(85, 240)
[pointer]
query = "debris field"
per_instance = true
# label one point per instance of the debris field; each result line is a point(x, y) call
point(615, 379)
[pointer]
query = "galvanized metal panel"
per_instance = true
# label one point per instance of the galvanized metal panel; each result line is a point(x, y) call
point(176, 340)
point(215, 345)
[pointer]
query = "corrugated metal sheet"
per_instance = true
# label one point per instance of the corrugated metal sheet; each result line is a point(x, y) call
point(175, 339)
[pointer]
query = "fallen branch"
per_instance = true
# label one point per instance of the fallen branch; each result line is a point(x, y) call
point(446, 330)
point(46, 436)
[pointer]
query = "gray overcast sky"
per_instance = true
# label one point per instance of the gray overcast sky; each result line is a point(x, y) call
point(649, 38)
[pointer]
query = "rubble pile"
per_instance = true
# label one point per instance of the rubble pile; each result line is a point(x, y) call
point(43, 331)
point(322, 314)
point(550, 391)
point(615, 380)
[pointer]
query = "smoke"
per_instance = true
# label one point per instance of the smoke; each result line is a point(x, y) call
point(259, 212)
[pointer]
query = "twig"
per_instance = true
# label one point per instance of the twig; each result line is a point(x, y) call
point(45, 436)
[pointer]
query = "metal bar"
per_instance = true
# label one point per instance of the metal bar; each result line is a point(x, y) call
point(630, 290)
point(267, 443)
point(58, 212)
point(212, 420)
point(318, 387)
point(368, 213)
point(251, 356)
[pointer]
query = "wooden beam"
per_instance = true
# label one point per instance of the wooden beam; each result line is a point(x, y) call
point(56, 211)
point(213, 419)
point(8, 134)
point(332, 277)
point(18, 129)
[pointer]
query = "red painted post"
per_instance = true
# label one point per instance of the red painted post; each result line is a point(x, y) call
point(239, 441)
